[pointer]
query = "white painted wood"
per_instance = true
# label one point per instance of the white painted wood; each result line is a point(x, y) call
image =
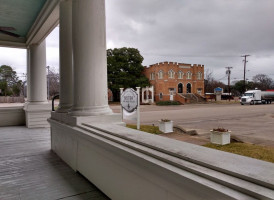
point(130, 164)
point(37, 108)
point(29, 170)
point(12, 116)
point(65, 50)
point(89, 58)
point(36, 72)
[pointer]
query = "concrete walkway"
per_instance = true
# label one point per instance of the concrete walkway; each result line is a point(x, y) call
point(29, 170)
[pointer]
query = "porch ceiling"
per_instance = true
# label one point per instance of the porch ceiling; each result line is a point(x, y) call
point(27, 19)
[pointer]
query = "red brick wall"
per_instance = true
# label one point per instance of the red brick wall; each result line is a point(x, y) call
point(163, 85)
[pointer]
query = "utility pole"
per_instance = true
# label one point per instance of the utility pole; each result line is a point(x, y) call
point(228, 72)
point(245, 61)
point(48, 81)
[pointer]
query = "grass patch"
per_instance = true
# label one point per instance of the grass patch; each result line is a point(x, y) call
point(167, 103)
point(146, 128)
point(249, 150)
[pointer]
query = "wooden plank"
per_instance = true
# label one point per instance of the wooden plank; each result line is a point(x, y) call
point(30, 170)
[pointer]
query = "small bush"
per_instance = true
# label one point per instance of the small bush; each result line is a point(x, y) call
point(167, 103)
point(146, 128)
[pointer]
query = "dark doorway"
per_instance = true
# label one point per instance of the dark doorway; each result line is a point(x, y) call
point(188, 88)
point(180, 88)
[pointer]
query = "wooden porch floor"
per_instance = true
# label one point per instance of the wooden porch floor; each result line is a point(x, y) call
point(29, 170)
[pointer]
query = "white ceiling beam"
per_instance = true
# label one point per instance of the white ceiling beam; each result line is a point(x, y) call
point(46, 21)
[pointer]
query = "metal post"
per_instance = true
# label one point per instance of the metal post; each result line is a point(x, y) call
point(121, 92)
point(138, 108)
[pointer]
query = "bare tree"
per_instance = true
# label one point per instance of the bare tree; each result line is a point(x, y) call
point(262, 81)
point(210, 82)
point(54, 82)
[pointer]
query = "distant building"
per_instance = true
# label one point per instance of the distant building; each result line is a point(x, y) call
point(173, 81)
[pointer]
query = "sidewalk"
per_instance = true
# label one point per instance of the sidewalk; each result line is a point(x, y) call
point(11, 104)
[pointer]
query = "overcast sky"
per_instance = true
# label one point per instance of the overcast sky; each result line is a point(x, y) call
point(215, 33)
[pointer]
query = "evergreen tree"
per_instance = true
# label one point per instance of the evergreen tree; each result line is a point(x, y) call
point(125, 70)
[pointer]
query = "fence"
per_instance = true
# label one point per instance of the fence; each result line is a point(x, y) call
point(12, 100)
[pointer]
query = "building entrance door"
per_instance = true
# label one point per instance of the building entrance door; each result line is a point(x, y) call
point(180, 88)
point(188, 88)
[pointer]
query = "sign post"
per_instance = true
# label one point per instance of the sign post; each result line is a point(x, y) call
point(130, 101)
point(121, 92)
point(138, 108)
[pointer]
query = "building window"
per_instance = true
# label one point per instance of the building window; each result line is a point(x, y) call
point(171, 91)
point(160, 74)
point(161, 96)
point(199, 91)
point(188, 75)
point(171, 74)
point(199, 76)
point(152, 76)
point(180, 75)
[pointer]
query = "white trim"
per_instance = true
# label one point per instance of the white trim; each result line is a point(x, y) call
point(171, 74)
point(13, 44)
point(187, 77)
point(161, 77)
point(199, 75)
point(46, 21)
point(174, 169)
point(182, 73)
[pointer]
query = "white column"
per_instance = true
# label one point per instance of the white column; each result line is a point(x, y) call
point(89, 58)
point(65, 50)
point(152, 94)
point(28, 71)
point(37, 83)
point(37, 108)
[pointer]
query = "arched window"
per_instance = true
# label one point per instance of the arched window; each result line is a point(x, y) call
point(188, 88)
point(188, 75)
point(180, 88)
point(152, 76)
point(199, 75)
point(180, 75)
point(160, 74)
point(171, 74)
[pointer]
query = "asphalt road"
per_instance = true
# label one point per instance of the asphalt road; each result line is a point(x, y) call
point(249, 123)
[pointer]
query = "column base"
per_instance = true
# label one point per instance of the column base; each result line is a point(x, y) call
point(113, 118)
point(37, 114)
point(92, 111)
point(64, 108)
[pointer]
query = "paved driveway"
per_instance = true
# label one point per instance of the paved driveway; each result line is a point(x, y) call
point(254, 124)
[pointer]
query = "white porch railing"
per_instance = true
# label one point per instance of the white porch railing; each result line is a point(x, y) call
point(129, 164)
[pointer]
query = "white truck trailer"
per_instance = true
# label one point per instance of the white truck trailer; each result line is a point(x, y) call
point(257, 97)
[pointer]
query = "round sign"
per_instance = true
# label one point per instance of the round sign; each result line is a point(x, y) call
point(129, 100)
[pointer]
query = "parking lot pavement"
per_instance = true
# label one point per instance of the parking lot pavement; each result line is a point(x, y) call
point(248, 123)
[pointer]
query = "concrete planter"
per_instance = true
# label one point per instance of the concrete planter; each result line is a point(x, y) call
point(221, 138)
point(166, 126)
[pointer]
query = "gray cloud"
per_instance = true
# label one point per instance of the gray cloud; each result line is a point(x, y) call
point(213, 32)
point(210, 32)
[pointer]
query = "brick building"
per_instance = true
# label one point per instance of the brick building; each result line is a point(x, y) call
point(175, 81)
